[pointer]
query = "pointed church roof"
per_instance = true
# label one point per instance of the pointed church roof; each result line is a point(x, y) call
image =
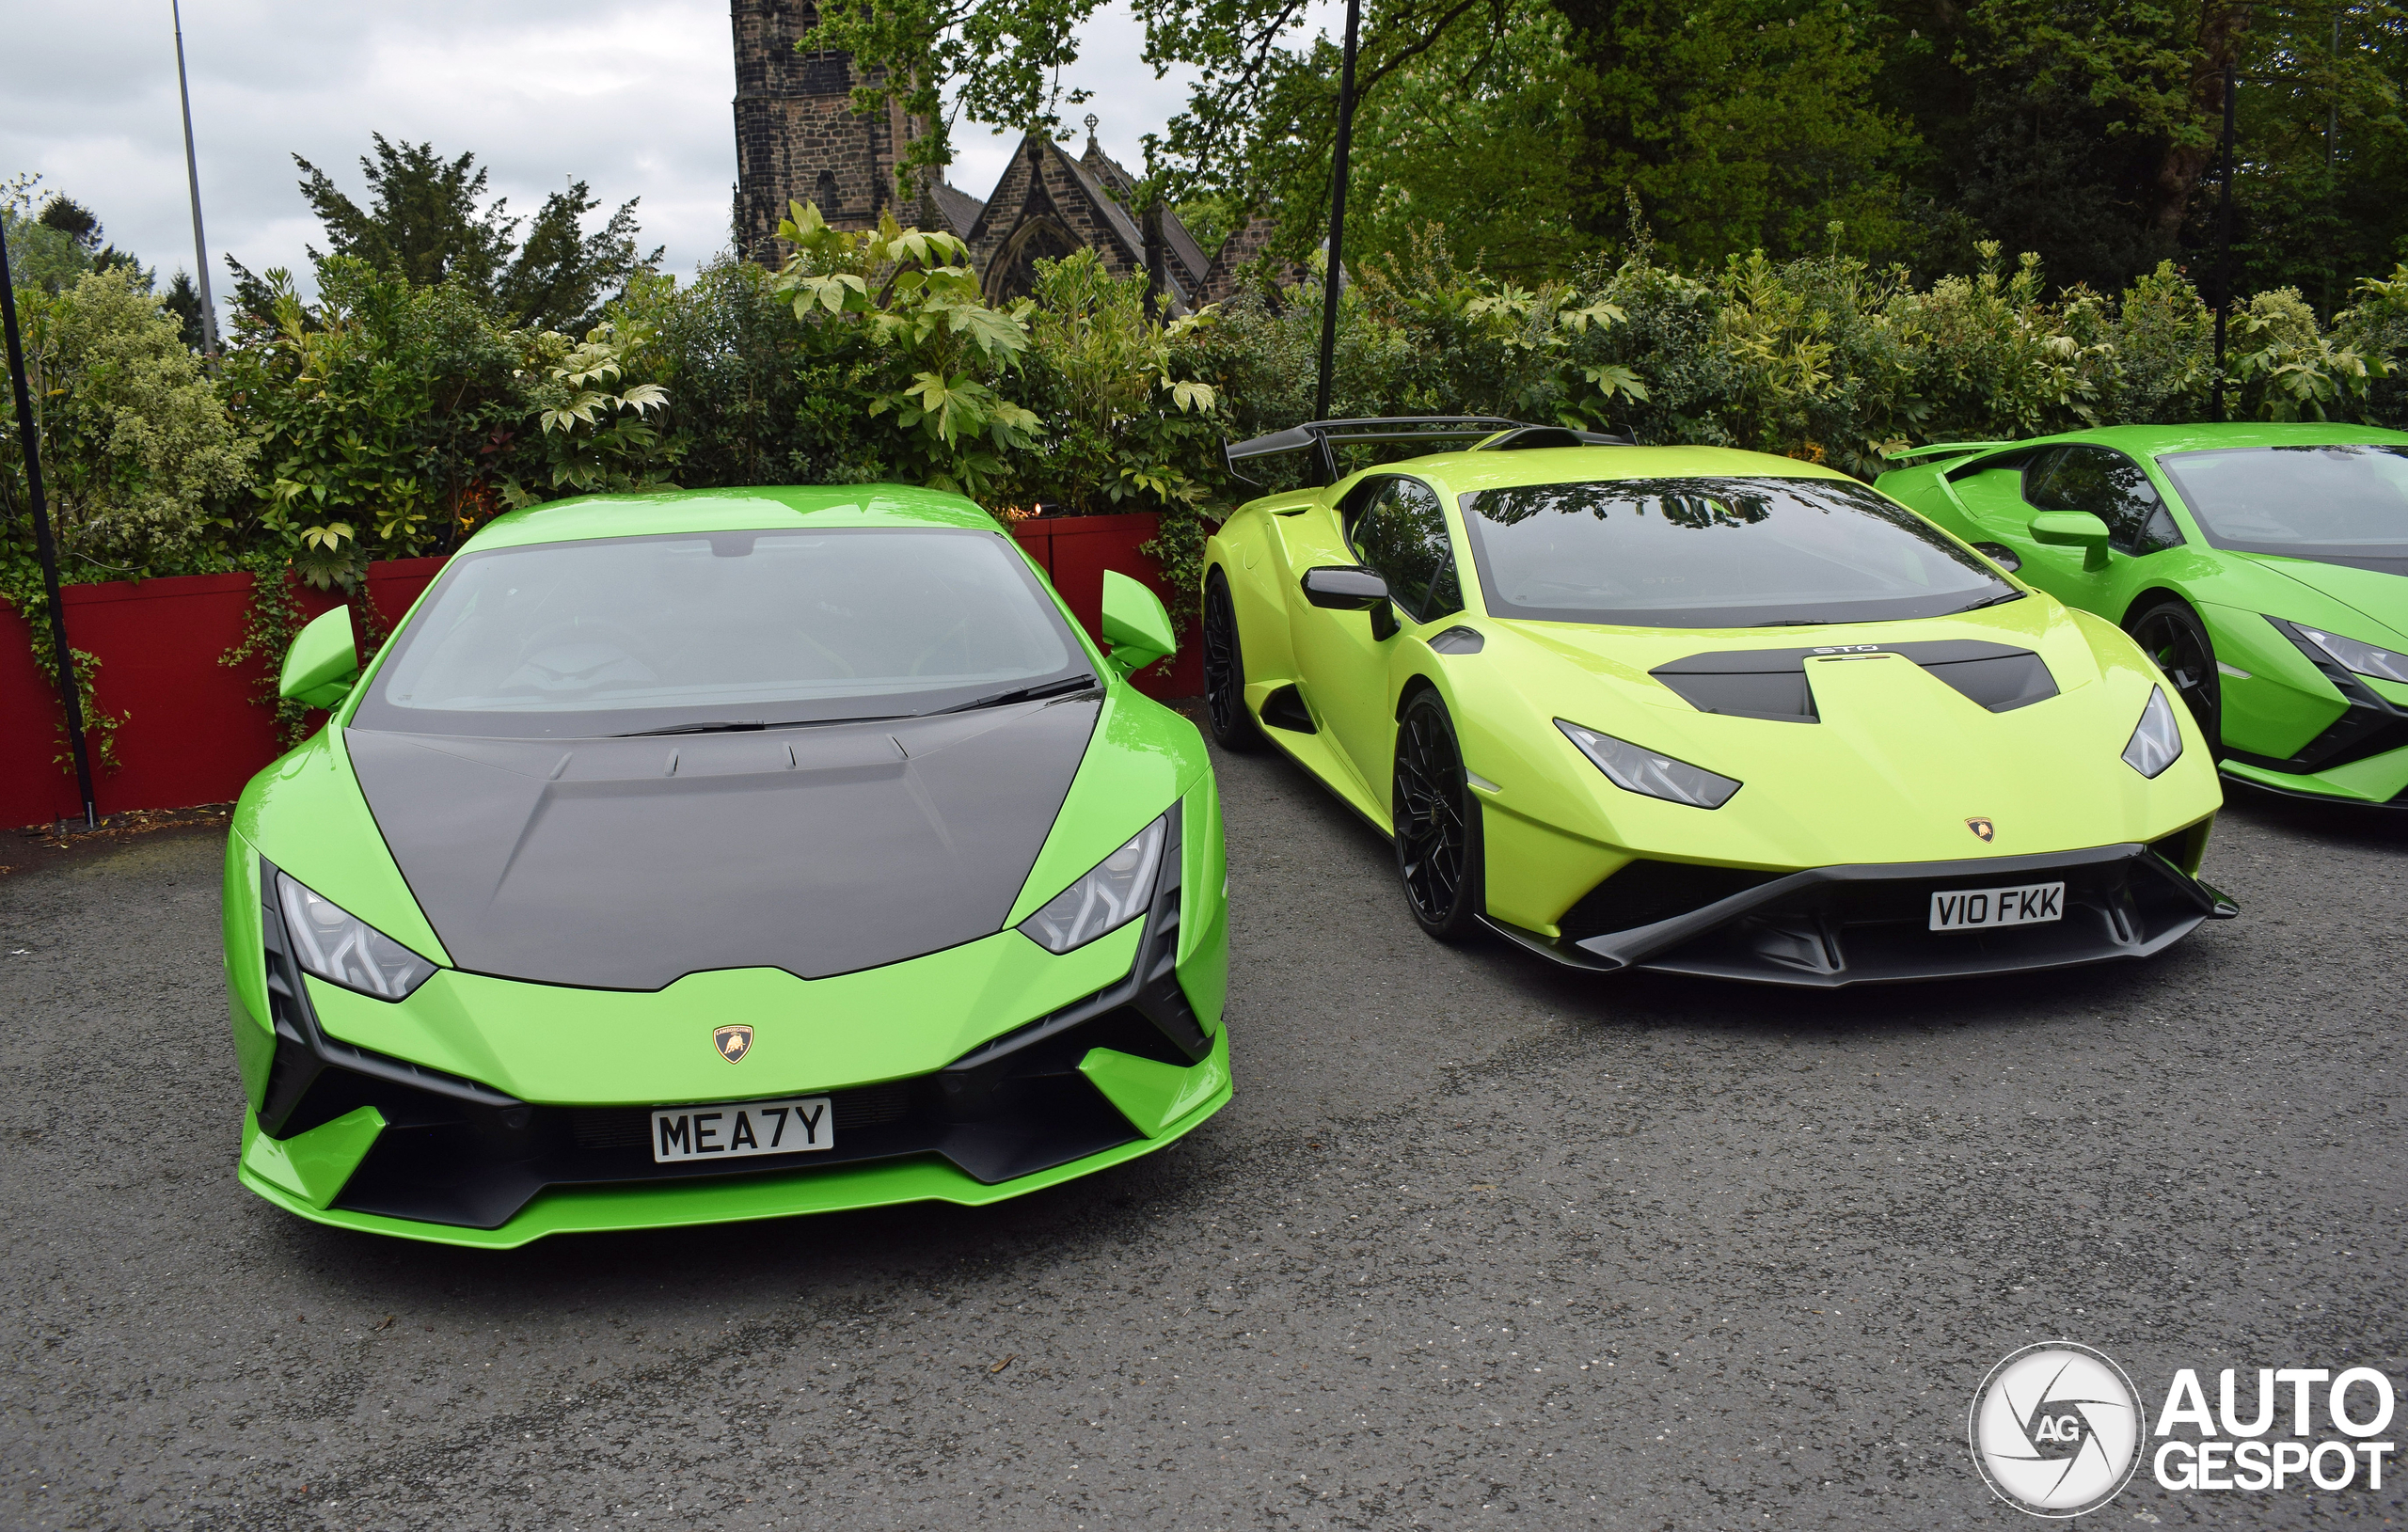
point(958, 208)
point(1122, 187)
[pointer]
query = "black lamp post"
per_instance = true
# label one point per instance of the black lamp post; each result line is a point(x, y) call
point(2223, 235)
point(29, 440)
point(1335, 277)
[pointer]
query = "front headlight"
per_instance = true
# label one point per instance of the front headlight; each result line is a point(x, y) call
point(2365, 658)
point(1106, 899)
point(341, 948)
point(1637, 769)
point(2157, 741)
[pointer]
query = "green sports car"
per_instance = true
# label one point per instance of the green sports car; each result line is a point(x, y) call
point(719, 855)
point(2264, 566)
point(1704, 711)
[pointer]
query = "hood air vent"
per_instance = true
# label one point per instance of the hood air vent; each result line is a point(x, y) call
point(1771, 684)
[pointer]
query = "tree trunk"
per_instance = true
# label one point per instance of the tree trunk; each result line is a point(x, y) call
point(2222, 28)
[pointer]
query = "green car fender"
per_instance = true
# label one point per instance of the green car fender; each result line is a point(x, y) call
point(305, 813)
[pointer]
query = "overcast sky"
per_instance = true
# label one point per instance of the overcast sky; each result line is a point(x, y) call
point(632, 95)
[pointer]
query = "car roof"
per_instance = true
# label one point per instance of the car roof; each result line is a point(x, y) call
point(2201, 436)
point(769, 509)
point(1476, 470)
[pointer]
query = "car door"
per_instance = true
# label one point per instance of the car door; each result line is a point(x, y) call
point(2116, 490)
point(1397, 528)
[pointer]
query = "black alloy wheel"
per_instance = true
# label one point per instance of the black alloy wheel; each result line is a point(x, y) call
point(1438, 822)
point(2177, 640)
point(1233, 727)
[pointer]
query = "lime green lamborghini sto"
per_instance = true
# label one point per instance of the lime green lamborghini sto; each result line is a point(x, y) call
point(720, 854)
point(1704, 711)
point(2263, 567)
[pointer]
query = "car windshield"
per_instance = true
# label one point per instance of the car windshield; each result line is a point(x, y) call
point(2340, 504)
point(1718, 552)
point(694, 631)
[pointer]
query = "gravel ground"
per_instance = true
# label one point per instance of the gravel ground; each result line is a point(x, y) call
point(1477, 1243)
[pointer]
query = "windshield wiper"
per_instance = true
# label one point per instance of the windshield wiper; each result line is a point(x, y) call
point(726, 727)
point(1062, 687)
point(1993, 601)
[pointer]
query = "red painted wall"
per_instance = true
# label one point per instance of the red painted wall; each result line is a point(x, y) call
point(1076, 550)
point(195, 730)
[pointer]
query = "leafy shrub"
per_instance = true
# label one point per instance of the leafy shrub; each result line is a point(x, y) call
point(138, 450)
point(391, 418)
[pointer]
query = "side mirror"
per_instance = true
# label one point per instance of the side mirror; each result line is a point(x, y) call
point(1134, 625)
point(2073, 529)
point(322, 662)
point(1344, 588)
point(2000, 555)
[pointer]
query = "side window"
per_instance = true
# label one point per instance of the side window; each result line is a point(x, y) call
point(1401, 534)
point(2112, 488)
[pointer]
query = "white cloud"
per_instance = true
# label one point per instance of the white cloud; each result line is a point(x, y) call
point(631, 95)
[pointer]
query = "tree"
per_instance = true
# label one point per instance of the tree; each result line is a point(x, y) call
point(138, 453)
point(182, 303)
point(1736, 122)
point(2084, 131)
point(424, 221)
point(76, 221)
point(41, 255)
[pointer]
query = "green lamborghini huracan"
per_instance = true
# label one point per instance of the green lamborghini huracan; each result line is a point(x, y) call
point(2263, 567)
point(719, 855)
point(1702, 711)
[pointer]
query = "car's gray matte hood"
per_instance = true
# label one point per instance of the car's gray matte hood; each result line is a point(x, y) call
point(627, 863)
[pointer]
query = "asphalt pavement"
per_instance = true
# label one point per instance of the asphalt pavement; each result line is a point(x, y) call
point(1478, 1243)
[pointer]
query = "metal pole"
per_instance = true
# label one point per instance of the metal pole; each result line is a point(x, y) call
point(2332, 134)
point(2224, 237)
point(1336, 276)
point(29, 438)
point(192, 174)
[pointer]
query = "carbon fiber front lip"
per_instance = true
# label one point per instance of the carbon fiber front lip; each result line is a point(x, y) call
point(1804, 943)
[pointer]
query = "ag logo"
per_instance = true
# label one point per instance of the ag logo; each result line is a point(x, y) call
point(733, 1042)
point(1982, 828)
point(2056, 1430)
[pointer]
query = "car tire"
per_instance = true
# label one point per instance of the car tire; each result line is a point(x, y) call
point(2175, 637)
point(1438, 844)
point(1224, 712)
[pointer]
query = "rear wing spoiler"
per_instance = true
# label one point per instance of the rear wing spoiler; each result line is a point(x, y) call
point(1323, 437)
point(1942, 449)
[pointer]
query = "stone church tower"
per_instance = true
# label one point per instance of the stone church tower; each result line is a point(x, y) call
point(797, 138)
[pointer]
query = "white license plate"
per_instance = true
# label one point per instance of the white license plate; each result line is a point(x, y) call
point(739, 1128)
point(1983, 909)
